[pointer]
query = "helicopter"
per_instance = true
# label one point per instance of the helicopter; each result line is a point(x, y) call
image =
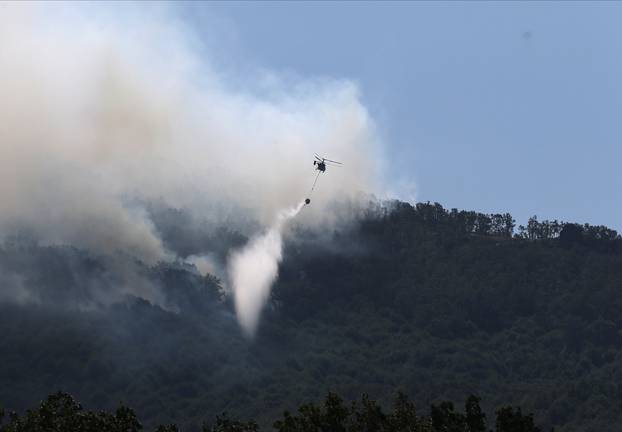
point(320, 164)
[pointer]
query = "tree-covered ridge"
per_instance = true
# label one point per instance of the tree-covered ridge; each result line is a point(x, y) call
point(62, 413)
point(406, 297)
point(462, 222)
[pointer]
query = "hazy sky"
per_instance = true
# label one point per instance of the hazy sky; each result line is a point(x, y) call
point(492, 107)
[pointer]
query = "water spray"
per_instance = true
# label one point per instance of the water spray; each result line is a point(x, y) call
point(254, 269)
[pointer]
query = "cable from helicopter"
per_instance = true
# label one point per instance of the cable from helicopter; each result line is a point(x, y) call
point(320, 164)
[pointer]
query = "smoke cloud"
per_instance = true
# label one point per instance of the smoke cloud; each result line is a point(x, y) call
point(104, 109)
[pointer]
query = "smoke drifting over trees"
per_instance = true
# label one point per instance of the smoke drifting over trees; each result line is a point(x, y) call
point(103, 117)
point(131, 171)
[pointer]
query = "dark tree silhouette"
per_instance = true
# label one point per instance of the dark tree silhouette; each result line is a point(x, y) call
point(513, 420)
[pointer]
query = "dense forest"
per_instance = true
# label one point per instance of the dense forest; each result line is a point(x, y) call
point(60, 412)
point(434, 303)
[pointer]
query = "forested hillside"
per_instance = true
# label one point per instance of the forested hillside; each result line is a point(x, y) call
point(439, 304)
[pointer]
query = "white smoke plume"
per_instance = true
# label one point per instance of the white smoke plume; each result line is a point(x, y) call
point(106, 107)
point(255, 268)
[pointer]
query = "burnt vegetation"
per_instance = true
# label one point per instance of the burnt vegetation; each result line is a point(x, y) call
point(433, 302)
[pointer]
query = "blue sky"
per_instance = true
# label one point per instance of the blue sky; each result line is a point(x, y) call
point(486, 106)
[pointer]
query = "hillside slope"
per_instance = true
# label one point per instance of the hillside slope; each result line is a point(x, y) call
point(437, 303)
